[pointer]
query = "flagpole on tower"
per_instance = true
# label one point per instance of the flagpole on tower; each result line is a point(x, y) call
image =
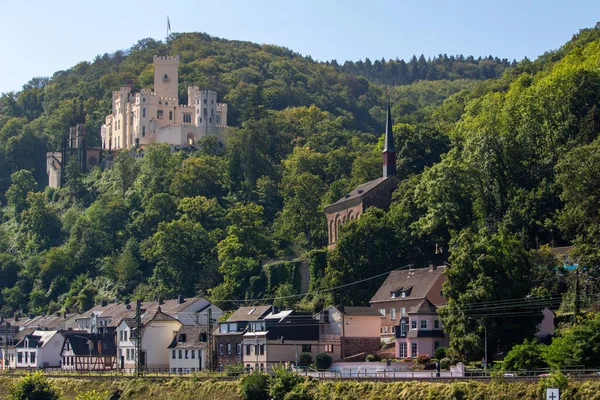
point(168, 30)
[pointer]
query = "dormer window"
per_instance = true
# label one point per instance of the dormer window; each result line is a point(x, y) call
point(203, 338)
point(182, 338)
point(403, 294)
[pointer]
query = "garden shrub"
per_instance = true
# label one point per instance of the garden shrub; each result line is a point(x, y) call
point(255, 386)
point(372, 358)
point(423, 359)
point(445, 363)
point(305, 360)
point(323, 361)
point(440, 352)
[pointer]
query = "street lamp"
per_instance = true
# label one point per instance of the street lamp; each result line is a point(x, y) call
point(485, 338)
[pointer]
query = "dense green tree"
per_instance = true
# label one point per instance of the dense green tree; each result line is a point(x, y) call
point(23, 183)
point(185, 259)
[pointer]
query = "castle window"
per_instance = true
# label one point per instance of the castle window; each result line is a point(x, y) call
point(159, 114)
point(143, 131)
point(212, 101)
point(143, 99)
point(165, 77)
point(144, 112)
point(218, 119)
point(210, 120)
point(187, 118)
point(170, 115)
point(204, 101)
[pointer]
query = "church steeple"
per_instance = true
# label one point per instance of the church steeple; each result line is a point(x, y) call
point(389, 151)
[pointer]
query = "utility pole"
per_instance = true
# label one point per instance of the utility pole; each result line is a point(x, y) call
point(139, 365)
point(209, 355)
point(5, 355)
point(577, 295)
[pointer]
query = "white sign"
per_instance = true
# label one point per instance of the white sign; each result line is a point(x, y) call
point(552, 394)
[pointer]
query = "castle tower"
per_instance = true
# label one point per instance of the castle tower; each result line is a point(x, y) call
point(206, 103)
point(389, 151)
point(166, 76)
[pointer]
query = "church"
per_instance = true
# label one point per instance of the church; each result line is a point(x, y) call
point(375, 193)
point(156, 115)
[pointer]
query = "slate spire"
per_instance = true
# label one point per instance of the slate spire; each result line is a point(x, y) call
point(389, 151)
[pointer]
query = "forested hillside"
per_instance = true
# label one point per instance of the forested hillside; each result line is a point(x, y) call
point(491, 171)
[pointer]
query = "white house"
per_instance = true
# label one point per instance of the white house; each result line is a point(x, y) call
point(189, 349)
point(158, 331)
point(40, 349)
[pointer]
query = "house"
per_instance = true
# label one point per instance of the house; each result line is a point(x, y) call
point(189, 349)
point(420, 332)
point(402, 291)
point(189, 311)
point(281, 337)
point(37, 349)
point(375, 193)
point(354, 329)
point(158, 331)
point(230, 334)
point(89, 352)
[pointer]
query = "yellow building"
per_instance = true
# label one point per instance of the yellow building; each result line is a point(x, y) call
point(156, 115)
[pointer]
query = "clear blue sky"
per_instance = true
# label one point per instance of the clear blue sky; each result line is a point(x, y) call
point(41, 36)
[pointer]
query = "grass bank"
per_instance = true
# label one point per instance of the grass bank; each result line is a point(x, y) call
point(187, 389)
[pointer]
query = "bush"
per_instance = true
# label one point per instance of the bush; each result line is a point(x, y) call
point(423, 359)
point(445, 363)
point(255, 386)
point(527, 356)
point(323, 361)
point(283, 382)
point(234, 369)
point(305, 360)
point(440, 352)
point(33, 387)
point(372, 358)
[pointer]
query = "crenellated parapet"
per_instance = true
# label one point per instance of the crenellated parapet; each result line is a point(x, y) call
point(166, 58)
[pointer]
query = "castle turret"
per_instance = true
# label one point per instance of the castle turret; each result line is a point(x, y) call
point(389, 150)
point(166, 76)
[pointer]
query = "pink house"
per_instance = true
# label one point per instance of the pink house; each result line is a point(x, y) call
point(420, 332)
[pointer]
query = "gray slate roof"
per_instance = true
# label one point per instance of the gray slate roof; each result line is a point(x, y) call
point(245, 314)
point(420, 280)
point(192, 337)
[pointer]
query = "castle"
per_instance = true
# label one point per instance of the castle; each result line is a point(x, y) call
point(156, 116)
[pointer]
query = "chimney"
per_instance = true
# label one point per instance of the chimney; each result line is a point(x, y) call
point(431, 267)
point(180, 299)
point(30, 316)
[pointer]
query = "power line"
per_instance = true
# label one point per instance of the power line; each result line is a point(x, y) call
point(314, 292)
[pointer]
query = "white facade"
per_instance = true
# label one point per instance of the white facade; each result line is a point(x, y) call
point(39, 353)
point(187, 360)
point(156, 115)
